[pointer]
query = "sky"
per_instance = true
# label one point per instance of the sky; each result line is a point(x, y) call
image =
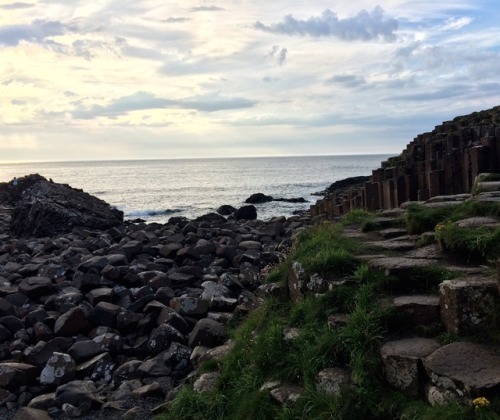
point(121, 79)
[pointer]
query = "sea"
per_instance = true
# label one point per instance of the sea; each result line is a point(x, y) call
point(155, 190)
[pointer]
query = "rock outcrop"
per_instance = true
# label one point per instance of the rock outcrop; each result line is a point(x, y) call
point(442, 162)
point(43, 208)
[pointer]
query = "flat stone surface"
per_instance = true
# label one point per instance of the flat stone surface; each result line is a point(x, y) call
point(468, 368)
point(401, 263)
point(393, 245)
point(401, 360)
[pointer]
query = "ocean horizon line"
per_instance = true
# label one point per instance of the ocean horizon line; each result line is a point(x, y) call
point(192, 158)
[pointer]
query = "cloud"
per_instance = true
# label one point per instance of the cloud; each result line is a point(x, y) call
point(364, 26)
point(451, 91)
point(15, 6)
point(456, 23)
point(279, 53)
point(347, 80)
point(206, 9)
point(175, 20)
point(39, 31)
point(141, 101)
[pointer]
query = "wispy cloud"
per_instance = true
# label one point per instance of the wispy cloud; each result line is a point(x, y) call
point(16, 6)
point(141, 101)
point(39, 31)
point(206, 9)
point(364, 26)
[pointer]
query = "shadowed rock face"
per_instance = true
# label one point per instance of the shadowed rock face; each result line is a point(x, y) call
point(43, 208)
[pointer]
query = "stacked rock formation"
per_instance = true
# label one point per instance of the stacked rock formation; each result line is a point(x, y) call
point(442, 162)
point(101, 321)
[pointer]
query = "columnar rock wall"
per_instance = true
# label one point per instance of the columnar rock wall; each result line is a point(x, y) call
point(442, 162)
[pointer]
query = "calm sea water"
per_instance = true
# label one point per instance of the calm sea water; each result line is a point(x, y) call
point(155, 190)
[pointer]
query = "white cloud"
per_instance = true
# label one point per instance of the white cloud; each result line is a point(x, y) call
point(114, 74)
point(364, 26)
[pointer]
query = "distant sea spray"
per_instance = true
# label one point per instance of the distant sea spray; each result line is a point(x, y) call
point(155, 190)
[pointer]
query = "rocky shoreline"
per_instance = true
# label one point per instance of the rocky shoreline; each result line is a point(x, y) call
point(104, 319)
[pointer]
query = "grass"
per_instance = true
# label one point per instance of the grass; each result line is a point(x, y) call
point(474, 245)
point(261, 352)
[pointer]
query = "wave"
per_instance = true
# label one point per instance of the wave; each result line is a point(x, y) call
point(151, 213)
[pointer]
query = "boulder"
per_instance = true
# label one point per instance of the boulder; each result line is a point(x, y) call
point(246, 213)
point(258, 198)
point(332, 380)
point(44, 208)
point(208, 333)
point(206, 382)
point(60, 369)
point(226, 210)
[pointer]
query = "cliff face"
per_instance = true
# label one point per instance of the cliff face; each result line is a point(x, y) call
point(442, 162)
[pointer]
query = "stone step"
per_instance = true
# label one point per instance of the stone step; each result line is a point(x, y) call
point(469, 304)
point(418, 309)
point(466, 369)
point(391, 233)
point(407, 270)
point(402, 361)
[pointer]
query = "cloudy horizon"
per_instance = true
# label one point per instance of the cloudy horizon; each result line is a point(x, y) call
point(147, 80)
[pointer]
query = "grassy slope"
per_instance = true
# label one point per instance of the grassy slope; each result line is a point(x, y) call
point(261, 352)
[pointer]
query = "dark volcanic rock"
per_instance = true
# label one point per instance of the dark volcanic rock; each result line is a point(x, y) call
point(246, 212)
point(259, 198)
point(226, 210)
point(44, 208)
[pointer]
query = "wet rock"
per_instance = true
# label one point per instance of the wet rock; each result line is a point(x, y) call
point(226, 210)
point(258, 198)
point(246, 213)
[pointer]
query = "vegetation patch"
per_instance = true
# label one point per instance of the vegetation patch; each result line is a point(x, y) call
point(475, 245)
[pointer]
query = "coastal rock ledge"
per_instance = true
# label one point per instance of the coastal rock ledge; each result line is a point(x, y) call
point(43, 208)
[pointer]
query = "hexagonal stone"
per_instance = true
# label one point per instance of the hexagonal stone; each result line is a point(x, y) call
point(468, 305)
point(401, 360)
point(418, 309)
point(466, 368)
